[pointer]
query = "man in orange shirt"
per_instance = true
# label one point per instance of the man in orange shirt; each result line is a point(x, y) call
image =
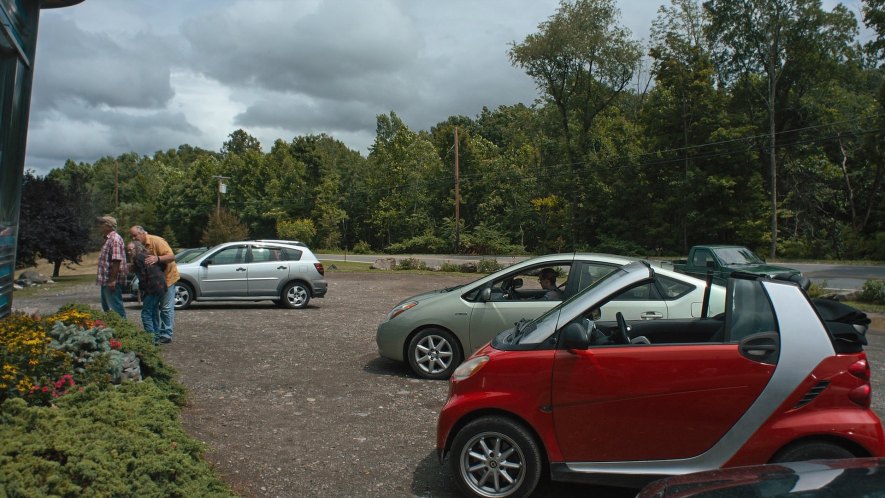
point(161, 254)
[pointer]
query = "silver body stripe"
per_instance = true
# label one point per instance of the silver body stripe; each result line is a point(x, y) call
point(804, 343)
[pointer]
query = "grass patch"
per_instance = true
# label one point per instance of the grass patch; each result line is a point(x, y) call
point(61, 283)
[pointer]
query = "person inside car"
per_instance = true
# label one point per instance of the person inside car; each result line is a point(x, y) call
point(547, 279)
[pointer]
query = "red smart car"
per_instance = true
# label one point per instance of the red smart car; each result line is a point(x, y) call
point(773, 379)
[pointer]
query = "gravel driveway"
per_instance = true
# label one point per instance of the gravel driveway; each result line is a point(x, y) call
point(298, 403)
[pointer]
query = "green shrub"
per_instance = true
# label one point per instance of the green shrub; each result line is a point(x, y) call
point(450, 267)
point(411, 264)
point(817, 289)
point(620, 247)
point(426, 243)
point(362, 247)
point(873, 291)
point(113, 442)
point(488, 266)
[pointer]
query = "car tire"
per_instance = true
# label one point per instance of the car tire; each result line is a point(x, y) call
point(495, 457)
point(434, 354)
point(295, 295)
point(811, 450)
point(184, 295)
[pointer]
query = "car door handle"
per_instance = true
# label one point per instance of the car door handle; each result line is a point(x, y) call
point(282, 267)
point(651, 315)
point(241, 269)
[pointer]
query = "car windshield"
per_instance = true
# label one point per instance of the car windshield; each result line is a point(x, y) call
point(738, 256)
point(188, 255)
point(539, 329)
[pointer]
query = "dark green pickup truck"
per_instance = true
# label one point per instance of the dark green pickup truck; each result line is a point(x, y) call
point(723, 260)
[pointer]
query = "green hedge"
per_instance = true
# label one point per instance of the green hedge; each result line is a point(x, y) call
point(102, 439)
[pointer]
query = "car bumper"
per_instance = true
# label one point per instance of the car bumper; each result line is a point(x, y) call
point(391, 341)
point(319, 289)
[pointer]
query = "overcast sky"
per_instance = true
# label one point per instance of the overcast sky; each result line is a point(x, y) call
point(115, 76)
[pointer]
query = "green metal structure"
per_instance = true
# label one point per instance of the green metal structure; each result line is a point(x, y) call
point(18, 43)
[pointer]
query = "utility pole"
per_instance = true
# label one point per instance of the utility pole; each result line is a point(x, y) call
point(457, 198)
point(116, 185)
point(222, 189)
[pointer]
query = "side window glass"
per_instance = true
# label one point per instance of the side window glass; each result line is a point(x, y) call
point(701, 257)
point(228, 256)
point(670, 288)
point(261, 255)
point(543, 282)
point(288, 254)
point(645, 292)
point(588, 274)
point(749, 311)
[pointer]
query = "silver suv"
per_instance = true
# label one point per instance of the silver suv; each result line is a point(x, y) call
point(285, 272)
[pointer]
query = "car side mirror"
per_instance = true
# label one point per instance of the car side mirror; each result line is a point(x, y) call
point(711, 264)
point(485, 295)
point(575, 337)
point(205, 263)
point(517, 283)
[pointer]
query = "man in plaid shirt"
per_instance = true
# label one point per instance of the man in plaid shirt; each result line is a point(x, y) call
point(111, 266)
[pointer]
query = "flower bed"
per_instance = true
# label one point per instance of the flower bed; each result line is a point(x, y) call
point(87, 407)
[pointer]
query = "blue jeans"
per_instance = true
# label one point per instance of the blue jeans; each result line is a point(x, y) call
point(167, 313)
point(150, 313)
point(112, 300)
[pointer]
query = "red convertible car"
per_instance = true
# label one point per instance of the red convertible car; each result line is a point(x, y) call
point(772, 379)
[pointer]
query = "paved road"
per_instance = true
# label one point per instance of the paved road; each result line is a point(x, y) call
point(831, 276)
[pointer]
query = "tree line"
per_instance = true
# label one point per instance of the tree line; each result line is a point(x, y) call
point(756, 122)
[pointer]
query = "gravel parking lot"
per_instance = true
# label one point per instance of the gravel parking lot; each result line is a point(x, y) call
point(298, 403)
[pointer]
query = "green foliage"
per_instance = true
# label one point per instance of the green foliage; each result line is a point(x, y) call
point(426, 243)
point(448, 266)
point(223, 227)
point(302, 229)
point(816, 289)
point(618, 246)
point(873, 291)
point(410, 264)
point(488, 265)
point(484, 239)
point(362, 247)
point(119, 442)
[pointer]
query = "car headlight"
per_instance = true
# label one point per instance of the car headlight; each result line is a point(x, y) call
point(400, 308)
point(469, 367)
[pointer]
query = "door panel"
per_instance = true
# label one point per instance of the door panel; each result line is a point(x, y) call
point(267, 271)
point(487, 319)
point(622, 403)
point(227, 275)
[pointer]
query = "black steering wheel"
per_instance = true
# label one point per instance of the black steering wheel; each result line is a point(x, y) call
point(622, 336)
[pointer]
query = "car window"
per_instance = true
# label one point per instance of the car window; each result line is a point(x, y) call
point(290, 254)
point(265, 254)
point(589, 273)
point(750, 311)
point(229, 255)
point(525, 284)
point(670, 288)
point(646, 292)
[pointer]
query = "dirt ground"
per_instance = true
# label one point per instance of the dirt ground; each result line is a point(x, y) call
point(298, 403)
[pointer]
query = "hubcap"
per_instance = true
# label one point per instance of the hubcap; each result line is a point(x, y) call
point(433, 354)
point(296, 295)
point(492, 465)
point(181, 295)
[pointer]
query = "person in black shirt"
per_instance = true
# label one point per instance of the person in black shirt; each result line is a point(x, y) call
point(152, 286)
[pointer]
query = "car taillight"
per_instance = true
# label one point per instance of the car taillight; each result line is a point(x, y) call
point(860, 369)
point(862, 395)
point(320, 269)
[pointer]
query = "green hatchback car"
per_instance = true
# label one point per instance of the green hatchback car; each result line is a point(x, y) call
point(433, 332)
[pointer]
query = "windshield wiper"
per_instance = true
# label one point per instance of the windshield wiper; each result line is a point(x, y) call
point(521, 328)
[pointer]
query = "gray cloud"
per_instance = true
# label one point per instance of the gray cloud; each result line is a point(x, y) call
point(117, 76)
